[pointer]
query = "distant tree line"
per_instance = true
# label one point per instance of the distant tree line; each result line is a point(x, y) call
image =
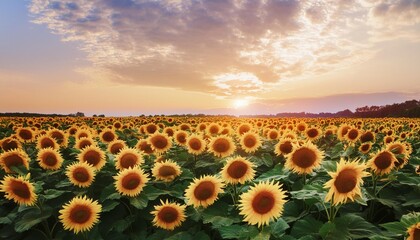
point(19, 114)
point(409, 109)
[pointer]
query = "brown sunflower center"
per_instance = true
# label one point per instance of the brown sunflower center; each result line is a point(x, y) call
point(221, 145)
point(169, 132)
point(214, 129)
point(366, 137)
point(286, 147)
point(81, 174)
point(49, 159)
point(301, 128)
point(151, 128)
point(9, 144)
point(58, 136)
point(250, 141)
point(304, 157)
point(159, 142)
point(116, 148)
point(72, 131)
point(352, 134)
point(204, 190)
point(13, 160)
point(263, 202)
point(243, 129)
point(346, 180)
point(131, 181)
point(344, 131)
point(20, 189)
point(312, 133)
point(108, 136)
point(195, 144)
point(47, 142)
point(383, 160)
point(80, 214)
point(85, 143)
point(166, 171)
point(273, 135)
point(83, 134)
point(396, 148)
point(145, 147)
point(128, 160)
point(168, 214)
point(237, 169)
point(365, 147)
point(25, 134)
point(388, 139)
point(181, 137)
point(416, 233)
point(92, 157)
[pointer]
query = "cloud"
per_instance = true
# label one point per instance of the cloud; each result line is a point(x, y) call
point(204, 45)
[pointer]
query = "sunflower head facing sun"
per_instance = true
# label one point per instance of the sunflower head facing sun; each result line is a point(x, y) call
point(238, 170)
point(204, 191)
point(168, 215)
point(19, 189)
point(304, 159)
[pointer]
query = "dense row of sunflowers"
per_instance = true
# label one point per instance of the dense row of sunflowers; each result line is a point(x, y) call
point(209, 178)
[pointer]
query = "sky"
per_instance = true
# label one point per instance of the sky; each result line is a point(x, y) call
point(132, 57)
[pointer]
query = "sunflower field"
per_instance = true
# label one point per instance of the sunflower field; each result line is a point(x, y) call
point(209, 177)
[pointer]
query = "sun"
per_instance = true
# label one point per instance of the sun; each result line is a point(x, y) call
point(240, 103)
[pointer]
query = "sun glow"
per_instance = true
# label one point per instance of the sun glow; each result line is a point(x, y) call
point(240, 103)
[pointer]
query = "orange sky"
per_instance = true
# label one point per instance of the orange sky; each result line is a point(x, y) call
point(175, 56)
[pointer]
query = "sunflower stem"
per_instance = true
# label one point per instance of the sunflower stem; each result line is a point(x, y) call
point(326, 210)
point(304, 179)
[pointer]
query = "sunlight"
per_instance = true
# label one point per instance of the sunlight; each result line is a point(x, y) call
point(240, 103)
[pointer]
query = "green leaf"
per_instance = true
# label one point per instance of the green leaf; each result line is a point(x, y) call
point(109, 193)
point(21, 170)
point(52, 193)
point(267, 159)
point(306, 226)
point(395, 228)
point(349, 226)
point(180, 236)
point(238, 232)
point(32, 218)
point(278, 227)
point(139, 202)
point(108, 205)
point(330, 166)
point(327, 230)
point(201, 236)
point(277, 173)
point(218, 215)
point(9, 218)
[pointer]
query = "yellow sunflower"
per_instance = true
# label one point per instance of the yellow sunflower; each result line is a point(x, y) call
point(382, 162)
point(19, 189)
point(273, 134)
point(151, 128)
point(50, 159)
point(250, 142)
point(15, 157)
point(168, 215)
point(346, 182)
point(44, 141)
point(203, 191)
point(367, 136)
point(128, 158)
point(9, 143)
point(60, 136)
point(342, 131)
point(115, 146)
point(243, 128)
point(262, 203)
point(414, 232)
point(213, 129)
point(313, 133)
point(130, 181)
point(159, 142)
point(80, 214)
point(83, 132)
point(84, 142)
point(25, 134)
point(400, 151)
point(284, 146)
point(81, 174)
point(303, 159)
point(195, 144)
point(166, 171)
point(365, 147)
point(107, 136)
point(238, 170)
point(144, 146)
point(221, 146)
point(180, 137)
point(352, 135)
point(94, 156)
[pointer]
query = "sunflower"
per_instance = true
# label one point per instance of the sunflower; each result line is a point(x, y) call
point(159, 142)
point(221, 146)
point(301, 126)
point(262, 203)
point(107, 136)
point(342, 131)
point(84, 142)
point(352, 135)
point(365, 147)
point(388, 139)
point(414, 232)
point(25, 134)
point(313, 133)
point(244, 128)
point(50, 159)
point(169, 131)
point(382, 162)
point(144, 146)
point(195, 144)
point(180, 137)
point(80, 214)
point(367, 136)
point(400, 151)
point(166, 171)
point(60, 136)
point(15, 157)
point(203, 191)
point(130, 181)
point(213, 129)
point(128, 158)
point(250, 142)
point(18, 189)
point(346, 181)
point(303, 159)
point(284, 146)
point(238, 170)
point(273, 134)
point(44, 141)
point(151, 128)
point(115, 146)
point(83, 132)
point(81, 174)
point(9, 143)
point(168, 215)
point(94, 156)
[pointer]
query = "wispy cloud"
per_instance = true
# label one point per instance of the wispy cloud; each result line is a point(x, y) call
point(227, 48)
